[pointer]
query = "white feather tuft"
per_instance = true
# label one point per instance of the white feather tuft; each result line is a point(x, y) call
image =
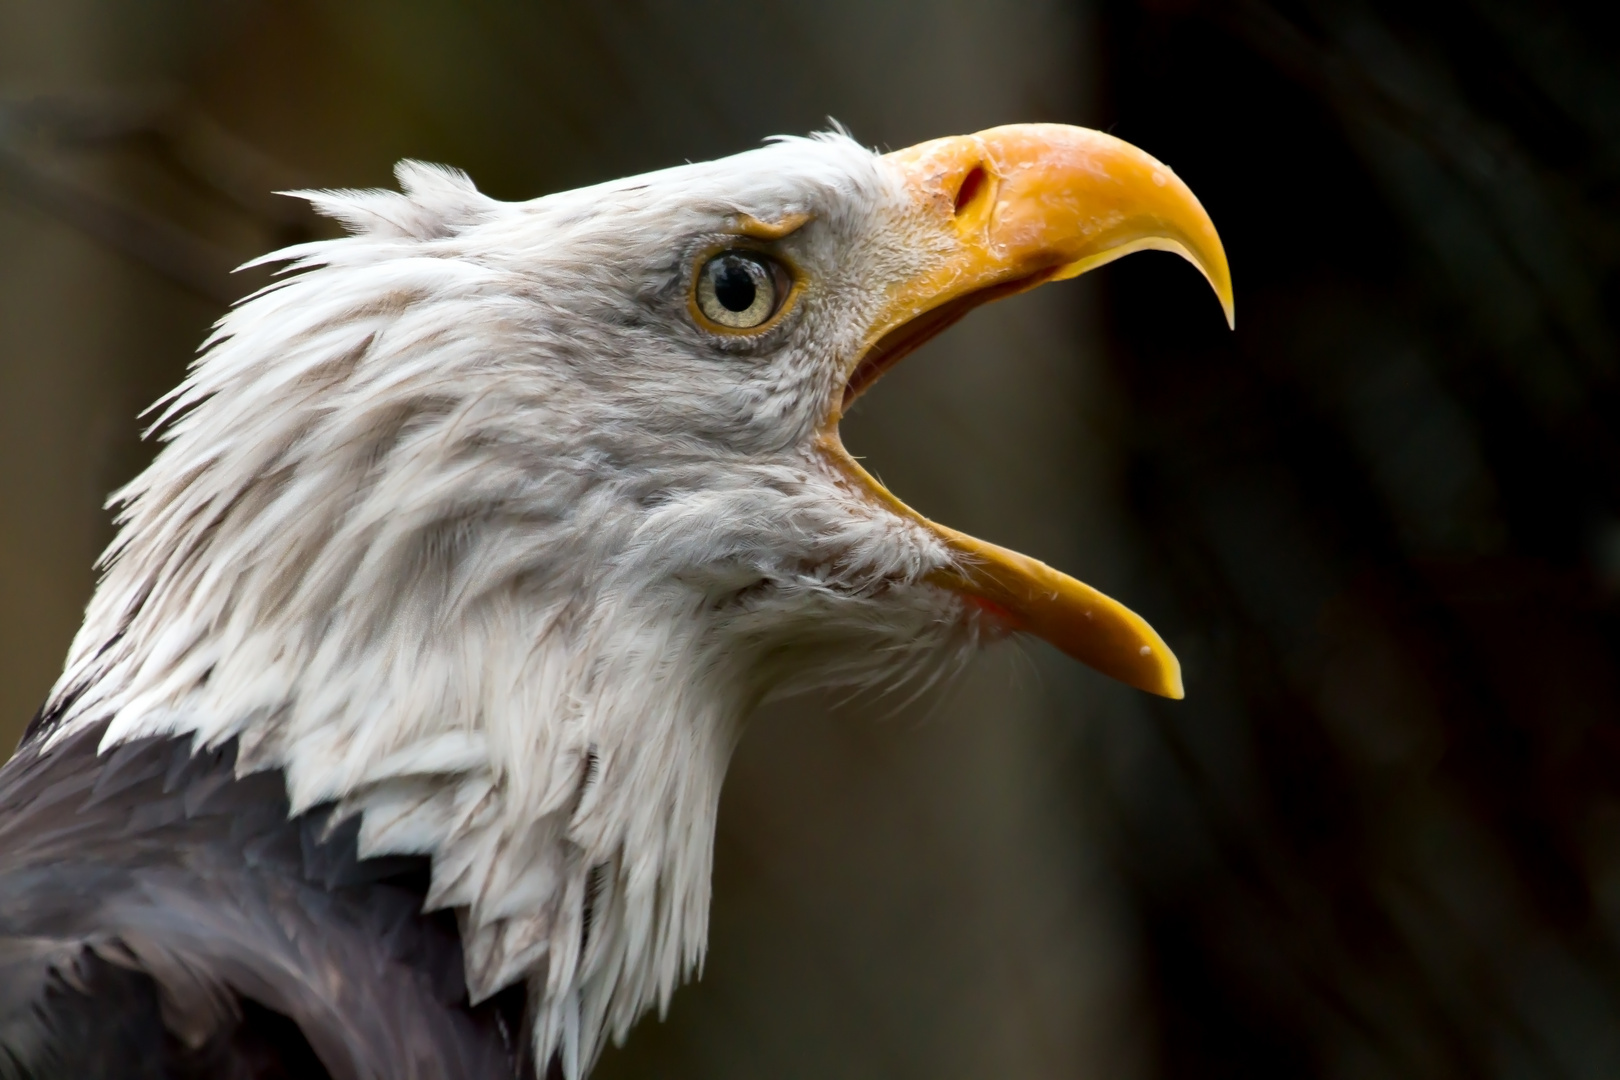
point(466, 527)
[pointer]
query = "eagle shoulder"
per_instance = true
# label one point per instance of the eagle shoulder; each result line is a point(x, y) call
point(162, 917)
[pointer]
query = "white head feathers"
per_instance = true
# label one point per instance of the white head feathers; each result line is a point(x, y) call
point(467, 526)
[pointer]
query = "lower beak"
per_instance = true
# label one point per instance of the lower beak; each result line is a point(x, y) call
point(1006, 210)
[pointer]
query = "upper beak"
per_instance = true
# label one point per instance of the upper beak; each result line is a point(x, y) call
point(1006, 210)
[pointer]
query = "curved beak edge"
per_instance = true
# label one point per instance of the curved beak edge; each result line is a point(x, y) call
point(1012, 208)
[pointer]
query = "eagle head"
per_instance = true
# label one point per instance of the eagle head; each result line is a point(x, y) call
point(490, 522)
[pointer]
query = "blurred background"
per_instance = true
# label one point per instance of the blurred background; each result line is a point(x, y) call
point(1380, 523)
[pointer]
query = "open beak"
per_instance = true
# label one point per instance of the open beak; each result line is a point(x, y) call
point(1006, 210)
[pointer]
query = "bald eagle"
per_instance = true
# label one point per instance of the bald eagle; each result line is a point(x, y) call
point(392, 742)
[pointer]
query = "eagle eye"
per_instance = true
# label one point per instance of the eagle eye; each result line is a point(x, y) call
point(741, 290)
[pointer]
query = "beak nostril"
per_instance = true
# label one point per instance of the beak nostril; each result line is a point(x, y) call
point(971, 183)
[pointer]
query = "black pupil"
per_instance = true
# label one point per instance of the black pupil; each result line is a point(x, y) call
point(733, 284)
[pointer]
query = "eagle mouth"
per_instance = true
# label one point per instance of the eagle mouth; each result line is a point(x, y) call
point(913, 334)
point(999, 213)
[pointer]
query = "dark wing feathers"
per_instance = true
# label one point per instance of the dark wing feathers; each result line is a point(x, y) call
point(69, 1013)
point(161, 917)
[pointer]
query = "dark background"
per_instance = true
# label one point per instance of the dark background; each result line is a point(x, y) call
point(1380, 523)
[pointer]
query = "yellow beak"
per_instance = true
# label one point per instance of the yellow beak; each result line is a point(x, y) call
point(1006, 210)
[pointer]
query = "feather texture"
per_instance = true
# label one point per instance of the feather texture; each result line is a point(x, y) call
point(464, 529)
point(161, 917)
